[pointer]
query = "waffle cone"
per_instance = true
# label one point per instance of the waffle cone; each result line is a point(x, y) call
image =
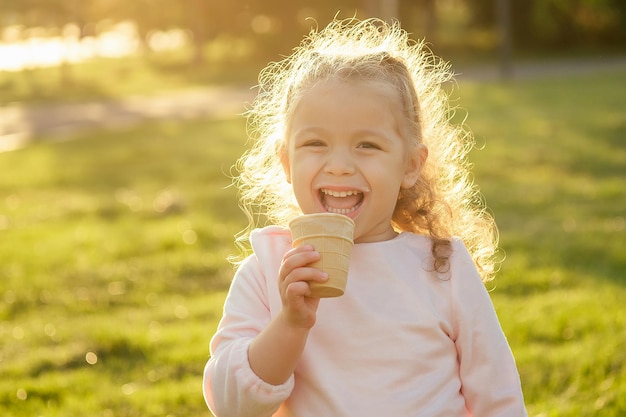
point(332, 236)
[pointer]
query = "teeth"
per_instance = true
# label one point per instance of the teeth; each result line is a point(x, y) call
point(339, 211)
point(340, 193)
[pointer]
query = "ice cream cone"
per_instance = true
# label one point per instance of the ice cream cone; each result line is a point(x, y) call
point(332, 236)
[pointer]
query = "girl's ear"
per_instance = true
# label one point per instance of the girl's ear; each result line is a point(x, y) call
point(283, 154)
point(414, 166)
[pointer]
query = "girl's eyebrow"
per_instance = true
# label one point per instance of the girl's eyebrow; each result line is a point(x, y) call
point(309, 129)
point(373, 132)
point(358, 134)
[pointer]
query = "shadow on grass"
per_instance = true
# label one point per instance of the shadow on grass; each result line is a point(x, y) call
point(553, 171)
point(43, 86)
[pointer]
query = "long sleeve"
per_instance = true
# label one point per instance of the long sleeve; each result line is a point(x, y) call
point(231, 388)
point(489, 378)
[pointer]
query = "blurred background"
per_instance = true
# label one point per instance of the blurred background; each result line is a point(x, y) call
point(229, 40)
point(60, 51)
point(114, 244)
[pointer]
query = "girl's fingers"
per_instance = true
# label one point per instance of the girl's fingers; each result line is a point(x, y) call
point(305, 273)
point(295, 270)
point(294, 277)
point(298, 258)
point(297, 289)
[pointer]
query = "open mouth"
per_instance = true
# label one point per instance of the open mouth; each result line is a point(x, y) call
point(341, 202)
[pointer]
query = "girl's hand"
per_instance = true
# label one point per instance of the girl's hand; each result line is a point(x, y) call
point(299, 308)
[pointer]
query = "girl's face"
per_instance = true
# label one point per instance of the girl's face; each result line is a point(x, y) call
point(345, 154)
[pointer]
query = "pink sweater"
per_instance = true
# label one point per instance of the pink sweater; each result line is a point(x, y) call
point(402, 341)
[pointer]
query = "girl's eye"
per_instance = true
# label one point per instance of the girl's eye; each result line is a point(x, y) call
point(313, 142)
point(368, 145)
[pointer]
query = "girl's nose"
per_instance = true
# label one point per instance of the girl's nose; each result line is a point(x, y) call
point(339, 163)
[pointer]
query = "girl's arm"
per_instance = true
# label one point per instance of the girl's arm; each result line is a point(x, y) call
point(489, 377)
point(275, 352)
point(252, 354)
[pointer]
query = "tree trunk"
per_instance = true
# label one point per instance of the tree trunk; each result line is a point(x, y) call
point(196, 15)
point(389, 10)
point(386, 10)
point(503, 17)
point(370, 7)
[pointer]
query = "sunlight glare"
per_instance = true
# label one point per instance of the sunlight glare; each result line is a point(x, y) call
point(22, 48)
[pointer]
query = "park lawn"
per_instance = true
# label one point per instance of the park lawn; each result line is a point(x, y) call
point(553, 171)
point(113, 250)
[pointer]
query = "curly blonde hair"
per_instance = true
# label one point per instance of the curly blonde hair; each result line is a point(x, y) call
point(444, 202)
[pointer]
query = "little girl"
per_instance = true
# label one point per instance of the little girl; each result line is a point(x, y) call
point(355, 122)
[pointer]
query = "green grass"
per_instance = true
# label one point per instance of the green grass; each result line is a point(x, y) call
point(115, 244)
point(113, 252)
point(553, 171)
